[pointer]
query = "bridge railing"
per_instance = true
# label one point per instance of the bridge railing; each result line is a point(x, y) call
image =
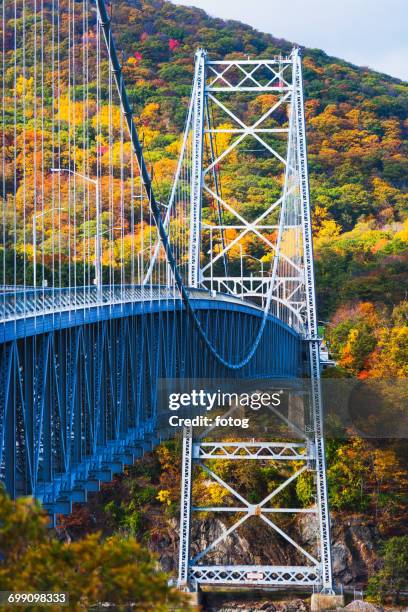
point(25, 303)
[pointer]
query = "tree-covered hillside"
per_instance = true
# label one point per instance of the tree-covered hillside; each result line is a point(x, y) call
point(356, 122)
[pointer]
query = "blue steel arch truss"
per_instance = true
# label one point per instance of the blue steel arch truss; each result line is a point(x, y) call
point(78, 403)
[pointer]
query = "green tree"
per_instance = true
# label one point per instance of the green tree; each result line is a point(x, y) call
point(392, 579)
point(91, 570)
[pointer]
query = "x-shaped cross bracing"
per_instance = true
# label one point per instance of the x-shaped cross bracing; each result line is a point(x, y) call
point(249, 129)
point(248, 75)
point(255, 226)
point(250, 226)
point(260, 510)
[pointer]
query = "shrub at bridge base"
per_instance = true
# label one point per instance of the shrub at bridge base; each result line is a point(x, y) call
point(115, 570)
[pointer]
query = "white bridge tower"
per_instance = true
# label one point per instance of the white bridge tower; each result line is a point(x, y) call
point(223, 230)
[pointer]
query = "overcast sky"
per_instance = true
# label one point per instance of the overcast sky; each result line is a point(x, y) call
point(370, 33)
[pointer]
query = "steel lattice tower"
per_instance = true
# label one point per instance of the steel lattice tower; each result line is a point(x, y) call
point(291, 281)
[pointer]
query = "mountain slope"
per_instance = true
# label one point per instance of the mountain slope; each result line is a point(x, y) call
point(356, 123)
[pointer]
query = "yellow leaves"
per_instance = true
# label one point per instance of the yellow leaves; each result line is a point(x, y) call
point(25, 87)
point(385, 464)
point(150, 113)
point(84, 159)
point(120, 153)
point(403, 234)
point(392, 129)
point(397, 350)
point(324, 227)
point(108, 115)
point(174, 148)
point(329, 229)
point(354, 116)
point(347, 358)
point(320, 213)
point(264, 102)
point(327, 152)
point(223, 141)
point(216, 494)
point(164, 496)
point(208, 493)
point(383, 192)
point(327, 121)
point(352, 337)
point(166, 457)
point(370, 141)
point(148, 135)
point(73, 112)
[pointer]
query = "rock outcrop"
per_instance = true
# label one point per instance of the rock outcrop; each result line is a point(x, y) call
point(355, 544)
point(362, 606)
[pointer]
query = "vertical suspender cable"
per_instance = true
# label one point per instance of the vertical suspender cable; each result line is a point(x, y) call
point(154, 206)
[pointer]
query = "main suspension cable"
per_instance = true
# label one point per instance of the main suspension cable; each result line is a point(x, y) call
point(154, 205)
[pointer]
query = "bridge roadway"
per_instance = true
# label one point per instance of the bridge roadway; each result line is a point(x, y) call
point(79, 374)
point(30, 312)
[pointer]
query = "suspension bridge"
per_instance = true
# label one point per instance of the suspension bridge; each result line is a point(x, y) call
point(112, 281)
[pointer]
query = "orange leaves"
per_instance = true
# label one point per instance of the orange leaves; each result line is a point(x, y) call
point(165, 169)
point(354, 117)
point(263, 103)
point(311, 108)
point(379, 245)
point(311, 65)
point(369, 343)
point(367, 311)
point(328, 121)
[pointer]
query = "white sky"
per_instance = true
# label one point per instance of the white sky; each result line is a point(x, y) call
point(370, 33)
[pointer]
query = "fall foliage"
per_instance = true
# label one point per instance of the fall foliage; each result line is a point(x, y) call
point(356, 122)
point(91, 570)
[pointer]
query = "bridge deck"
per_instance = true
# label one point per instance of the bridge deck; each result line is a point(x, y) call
point(33, 312)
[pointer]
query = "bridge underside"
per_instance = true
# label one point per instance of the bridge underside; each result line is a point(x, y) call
point(79, 402)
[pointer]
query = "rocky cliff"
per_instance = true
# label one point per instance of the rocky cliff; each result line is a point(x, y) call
point(355, 545)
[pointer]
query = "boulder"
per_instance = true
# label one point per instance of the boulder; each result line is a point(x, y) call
point(363, 606)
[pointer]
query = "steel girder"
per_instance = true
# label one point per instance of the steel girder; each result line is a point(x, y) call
point(261, 575)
